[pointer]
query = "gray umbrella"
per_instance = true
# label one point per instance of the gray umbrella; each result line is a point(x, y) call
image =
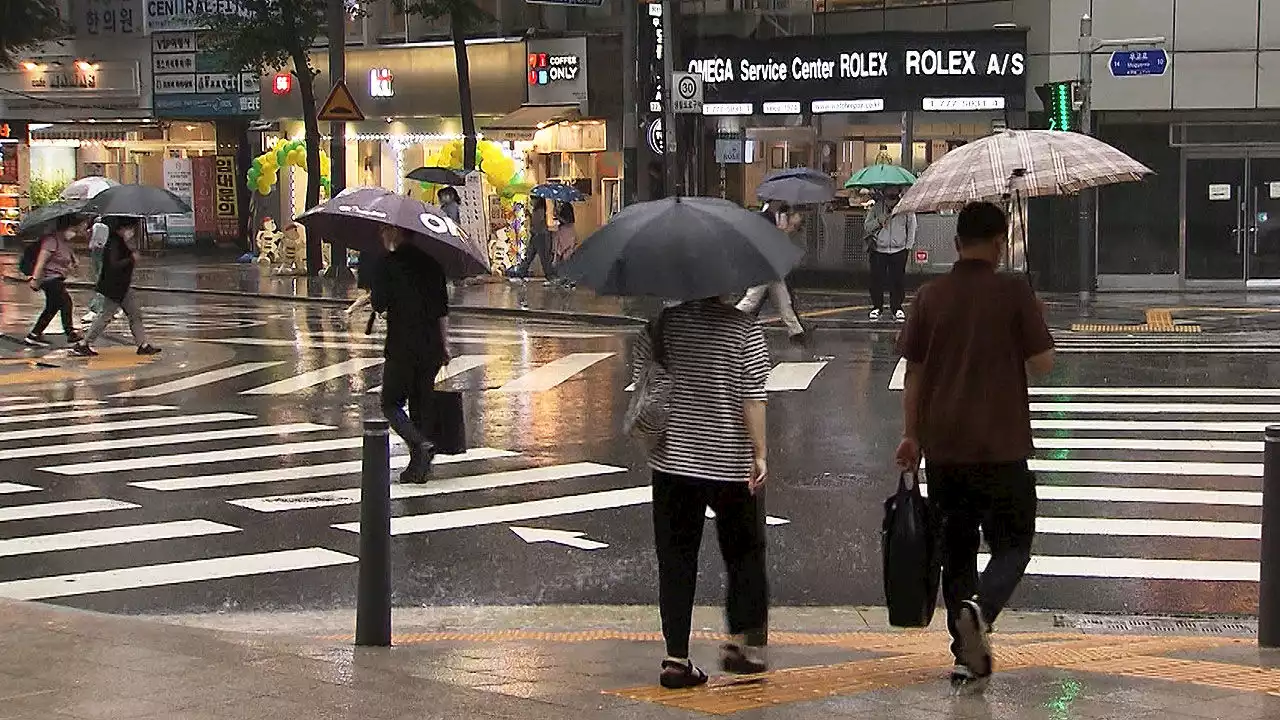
point(682, 248)
point(797, 189)
point(136, 200)
point(355, 218)
point(44, 216)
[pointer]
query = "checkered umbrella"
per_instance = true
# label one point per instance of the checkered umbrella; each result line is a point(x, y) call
point(1051, 162)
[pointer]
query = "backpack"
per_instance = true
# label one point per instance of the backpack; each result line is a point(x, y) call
point(647, 413)
point(30, 254)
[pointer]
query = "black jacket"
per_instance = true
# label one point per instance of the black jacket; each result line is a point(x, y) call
point(117, 269)
point(411, 290)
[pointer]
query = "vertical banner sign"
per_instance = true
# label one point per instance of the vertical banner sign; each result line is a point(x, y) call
point(651, 40)
point(178, 180)
point(202, 182)
point(226, 207)
point(471, 214)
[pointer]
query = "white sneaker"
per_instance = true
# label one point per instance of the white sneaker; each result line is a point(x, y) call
point(875, 314)
point(900, 315)
point(88, 317)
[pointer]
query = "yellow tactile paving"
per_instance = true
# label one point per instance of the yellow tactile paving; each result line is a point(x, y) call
point(1159, 320)
point(1197, 672)
point(60, 367)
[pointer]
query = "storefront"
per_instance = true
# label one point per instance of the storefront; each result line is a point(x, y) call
point(838, 103)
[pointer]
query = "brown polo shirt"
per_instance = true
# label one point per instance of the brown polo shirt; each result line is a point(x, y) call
point(972, 332)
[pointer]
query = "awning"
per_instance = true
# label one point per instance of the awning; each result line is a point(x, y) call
point(529, 119)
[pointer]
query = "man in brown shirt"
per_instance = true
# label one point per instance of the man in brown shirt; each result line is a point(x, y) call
point(970, 341)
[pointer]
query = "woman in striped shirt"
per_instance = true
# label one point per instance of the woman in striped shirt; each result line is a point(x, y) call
point(713, 454)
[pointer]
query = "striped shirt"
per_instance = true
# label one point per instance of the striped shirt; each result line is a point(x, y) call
point(718, 358)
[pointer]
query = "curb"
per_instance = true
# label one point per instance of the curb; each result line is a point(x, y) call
point(475, 310)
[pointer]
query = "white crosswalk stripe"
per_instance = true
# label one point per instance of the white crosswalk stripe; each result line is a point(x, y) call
point(159, 440)
point(554, 373)
point(101, 537)
point(104, 428)
point(74, 414)
point(312, 378)
point(51, 405)
point(202, 379)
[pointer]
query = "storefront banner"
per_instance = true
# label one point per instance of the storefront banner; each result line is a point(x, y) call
point(174, 15)
point(178, 179)
point(557, 72)
point(889, 71)
point(651, 44)
point(202, 195)
point(226, 205)
point(107, 18)
point(189, 81)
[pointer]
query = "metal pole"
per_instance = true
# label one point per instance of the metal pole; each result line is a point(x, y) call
point(630, 118)
point(670, 39)
point(1085, 230)
point(337, 21)
point(1269, 587)
point(373, 599)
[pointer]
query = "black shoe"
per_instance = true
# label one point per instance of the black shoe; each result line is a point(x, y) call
point(148, 349)
point(965, 682)
point(33, 340)
point(81, 349)
point(975, 648)
point(74, 337)
point(419, 467)
point(681, 675)
point(741, 660)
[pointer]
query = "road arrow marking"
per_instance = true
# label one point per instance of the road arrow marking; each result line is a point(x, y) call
point(560, 537)
point(768, 519)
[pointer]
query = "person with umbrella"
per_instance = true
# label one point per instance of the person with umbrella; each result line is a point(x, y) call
point(114, 288)
point(450, 203)
point(539, 243)
point(566, 237)
point(788, 221)
point(97, 243)
point(54, 260)
point(890, 239)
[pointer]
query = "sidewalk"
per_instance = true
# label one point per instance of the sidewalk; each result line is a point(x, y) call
point(598, 662)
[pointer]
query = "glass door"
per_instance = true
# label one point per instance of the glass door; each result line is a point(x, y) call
point(1262, 226)
point(1213, 212)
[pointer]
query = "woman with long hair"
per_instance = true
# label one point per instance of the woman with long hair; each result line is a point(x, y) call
point(114, 287)
point(54, 261)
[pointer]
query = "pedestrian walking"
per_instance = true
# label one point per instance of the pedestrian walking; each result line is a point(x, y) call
point(366, 275)
point(539, 244)
point(97, 241)
point(565, 240)
point(54, 261)
point(411, 291)
point(450, 203)
point(713, 454)
point(890, 239)
point(970, 341)
point(115, 291)
point(789, 222)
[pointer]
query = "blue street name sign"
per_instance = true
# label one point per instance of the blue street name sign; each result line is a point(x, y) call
point(1131, 63)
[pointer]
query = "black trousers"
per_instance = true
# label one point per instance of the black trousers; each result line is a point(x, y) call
point(57, 301)
point(540, 247)
point(888, 270)
point(409, 380)
point(1000, 501)
point(679, 514)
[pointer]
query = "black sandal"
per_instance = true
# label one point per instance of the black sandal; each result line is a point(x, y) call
point(679, 676)
point(742, 661)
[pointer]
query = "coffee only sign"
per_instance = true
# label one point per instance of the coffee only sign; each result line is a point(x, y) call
point(881, 71)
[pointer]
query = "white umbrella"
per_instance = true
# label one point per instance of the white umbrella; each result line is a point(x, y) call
point(87, 187)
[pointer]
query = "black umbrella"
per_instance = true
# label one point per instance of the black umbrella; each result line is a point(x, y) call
point(356, 221)
point(803, 173)
point(35, 221)
point(797, 190)
point(136, 200)
point(682, 249)
point(437, 175)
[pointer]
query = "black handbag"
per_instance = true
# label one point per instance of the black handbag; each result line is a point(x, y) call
point(448, 427)
point(912, 561)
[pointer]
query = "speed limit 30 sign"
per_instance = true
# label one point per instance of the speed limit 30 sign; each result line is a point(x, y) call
point(686, 93)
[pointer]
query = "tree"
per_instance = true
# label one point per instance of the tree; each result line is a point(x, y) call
point(24, 24)
point(464, 16)
point(278, 34)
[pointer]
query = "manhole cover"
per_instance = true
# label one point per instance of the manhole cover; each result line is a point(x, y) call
point(1120, 624)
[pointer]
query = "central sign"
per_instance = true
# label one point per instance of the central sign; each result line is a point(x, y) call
point(893, 71)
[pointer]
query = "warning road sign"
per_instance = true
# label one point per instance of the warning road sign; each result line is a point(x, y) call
point(340, 106)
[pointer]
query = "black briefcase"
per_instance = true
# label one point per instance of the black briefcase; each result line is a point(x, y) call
point(449, 428)
point(912, 562)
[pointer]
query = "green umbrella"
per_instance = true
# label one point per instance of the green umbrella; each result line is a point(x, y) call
point(880, 175)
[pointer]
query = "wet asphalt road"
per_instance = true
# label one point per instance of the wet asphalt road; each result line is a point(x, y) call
point(219, 476)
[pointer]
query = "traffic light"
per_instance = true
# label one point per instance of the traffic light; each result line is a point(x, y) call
point(1059, 105)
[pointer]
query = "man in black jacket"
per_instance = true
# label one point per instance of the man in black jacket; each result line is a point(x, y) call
point(114, 288)
point(411, 291)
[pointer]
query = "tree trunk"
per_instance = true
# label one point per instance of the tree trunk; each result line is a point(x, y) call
point(464, 92)
point(307, 91)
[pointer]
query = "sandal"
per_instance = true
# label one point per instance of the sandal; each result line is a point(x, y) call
point(681, 675)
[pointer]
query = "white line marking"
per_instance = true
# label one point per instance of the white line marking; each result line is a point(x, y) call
point(147, 441)
point(102, 537)
point(1171, 391)
point(457, 366)
point(1195, 350)
point(559, 537)
point(315, 377)
point(146, 576)
point(1139, 568)
point(297, 344)
point(793, 375)
point(553, 373)
point(1144, 444)
point(1148, 467)
point(278, 503)
point(899, 379)
point(1107, 407)
point(8, 488)
point(16, 398)
point(768, 519)
point(1150, 425)
point(53, 405)
point(73, 414)
point(199, 379)
point(515, 512)
point(110, 427)
point(1108, 493)
point(197, 458)
point(1138, 527)
point(304, 472)
point(62, 509)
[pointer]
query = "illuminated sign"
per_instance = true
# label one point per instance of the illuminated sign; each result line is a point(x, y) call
point(282, 84)
point(380, 83)
point(545, 68)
